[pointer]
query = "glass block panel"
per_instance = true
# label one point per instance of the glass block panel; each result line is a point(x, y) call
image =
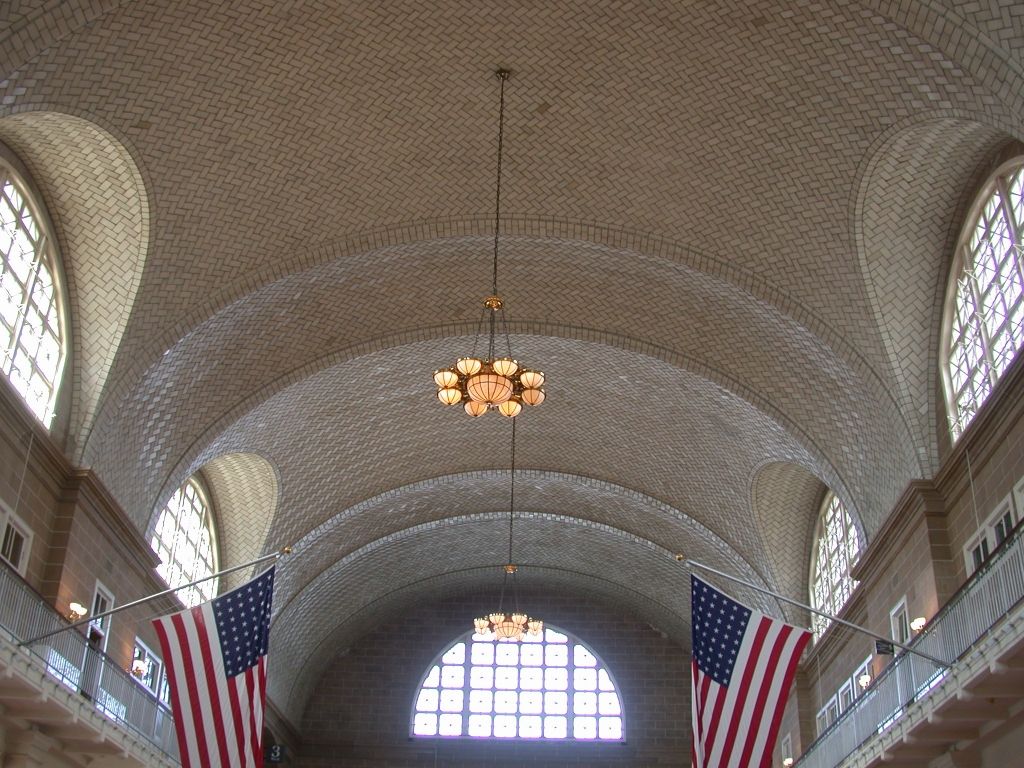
point(581, 657)
point(556, 655)
point(480, 725)
point(555, 727)
point(555, 637)
point(483, 653)
point(609, 727)
point(506, 677)
point(584, 679)
point(506, 701)
point(531, 679)
point(506, 654)
point(427, 701)
point(531, 655)
point(455, 655)
point(584, 727)
point(425, 724)
point(449, 725)
point(530, 727)
point(604, 682)
point(531, 702)
point(481, 677)
point(505, 726)
point(481, 701)
point(453, 677)
point(556, 703)
point(584, 703)
point(451, 700)
point(608, 704)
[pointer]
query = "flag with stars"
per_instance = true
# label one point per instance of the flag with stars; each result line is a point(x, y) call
point(216, 661)
point(743, 665)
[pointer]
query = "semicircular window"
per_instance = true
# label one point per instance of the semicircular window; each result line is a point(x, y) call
point(548, 687)
point(32, 338)
point(837, 546)
point(984, 324)
point(183, 539)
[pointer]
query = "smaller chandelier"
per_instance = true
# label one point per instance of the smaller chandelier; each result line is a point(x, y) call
point(512, 627)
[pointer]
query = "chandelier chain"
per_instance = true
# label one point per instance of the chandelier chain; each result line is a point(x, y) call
point(512, 493)
point(503, 75)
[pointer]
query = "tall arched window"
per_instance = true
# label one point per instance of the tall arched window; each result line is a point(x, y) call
point(837, 545)
point(32, 336)
point(183, 538)
point(984, 324)
point(546, 687)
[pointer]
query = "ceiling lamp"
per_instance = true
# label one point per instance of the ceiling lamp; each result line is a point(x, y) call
point(514, 625)
point(492, 382)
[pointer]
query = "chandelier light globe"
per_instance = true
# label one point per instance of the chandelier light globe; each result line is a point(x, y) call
point(483, 627)
point(446, 378)
point(532, 396)
point(496, 618)
point(468, 366)
point(505, 366)
point(449, 396)
point(474, 408)
point(510, 408)
point(531, 379)
point(490, 388)
point(536, 626)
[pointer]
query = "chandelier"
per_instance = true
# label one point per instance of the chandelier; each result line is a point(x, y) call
point(513, 625)
point(492, 382)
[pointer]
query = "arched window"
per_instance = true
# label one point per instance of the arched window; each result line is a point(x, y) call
point(32, 336)
point(837, 545)
point(183, 539)
point(545, 687)
point(985, 322)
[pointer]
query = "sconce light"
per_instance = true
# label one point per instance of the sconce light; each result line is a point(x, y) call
point(787, 762)
point(76, 612)
point(864, 680)
point(918, 624)
point(139, 668)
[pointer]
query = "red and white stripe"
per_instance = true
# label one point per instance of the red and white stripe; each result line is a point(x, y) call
point(219, 720)
point(735, 726)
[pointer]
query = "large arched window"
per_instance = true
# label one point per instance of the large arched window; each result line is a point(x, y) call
point(32, 336)
point(183, 539)
point(985, 321)
point(546, 687)
point(837, 545)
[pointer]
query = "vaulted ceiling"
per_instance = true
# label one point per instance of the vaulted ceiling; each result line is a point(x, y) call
point(725, 239)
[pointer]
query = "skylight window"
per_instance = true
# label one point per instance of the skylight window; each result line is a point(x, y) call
point(836, 549)
point(548, 687)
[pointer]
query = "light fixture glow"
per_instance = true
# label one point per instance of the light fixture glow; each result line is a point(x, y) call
point(864, 680)
point(492, 381)
point(918, 624)
point(76, 611)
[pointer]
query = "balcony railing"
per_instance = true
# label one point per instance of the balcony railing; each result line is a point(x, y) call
point(68, 658)
point(993, 590)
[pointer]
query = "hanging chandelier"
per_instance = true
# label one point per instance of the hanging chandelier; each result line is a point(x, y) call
point(492, 382)
point(513, 625)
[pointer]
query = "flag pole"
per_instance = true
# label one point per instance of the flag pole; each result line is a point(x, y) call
point(141, 600)
point(694, 564)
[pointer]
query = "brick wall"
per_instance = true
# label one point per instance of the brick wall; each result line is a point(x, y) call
point(360, 712)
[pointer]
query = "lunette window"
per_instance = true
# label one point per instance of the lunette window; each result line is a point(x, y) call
point(183, 539)
point(837, 546)
point(547, 687)
point(32, 337)
point(984, 326)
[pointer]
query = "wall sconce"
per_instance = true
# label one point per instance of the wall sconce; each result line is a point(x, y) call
point(864, 681)
point(139, 668)
point(76, 612)
point(918, 624)
point(787, 762)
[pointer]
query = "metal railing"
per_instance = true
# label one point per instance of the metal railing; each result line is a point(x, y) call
point(68, 657)
point(993, 590)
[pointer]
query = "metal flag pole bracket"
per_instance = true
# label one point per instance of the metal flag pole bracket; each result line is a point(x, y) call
point(864, 630)
point(141, 600)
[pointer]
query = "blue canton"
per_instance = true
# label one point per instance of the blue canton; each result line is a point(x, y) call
point(718, 627)
point(243, 623)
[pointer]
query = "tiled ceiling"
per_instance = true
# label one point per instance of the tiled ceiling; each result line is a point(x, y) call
point(726, 232)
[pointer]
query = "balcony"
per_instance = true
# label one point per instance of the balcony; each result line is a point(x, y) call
point(915, 710)
point(60, 696)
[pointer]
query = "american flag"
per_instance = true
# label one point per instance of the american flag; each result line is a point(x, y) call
point(216, 658)
point(743, 664)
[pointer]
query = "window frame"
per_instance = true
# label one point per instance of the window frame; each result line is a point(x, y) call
point(48, 252)
point(10, 520)
point(572, 640)
point(899, 622)
point(845, 582)
point(150, 657)
point(102, 624)
point(208, 522)
point(997, 181)
point(980, 546)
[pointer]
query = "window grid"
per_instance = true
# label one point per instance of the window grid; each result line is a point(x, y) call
point(31, 334)
point(987, 328)
point(183, 540)
point(549, 688)
point(837, 547)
